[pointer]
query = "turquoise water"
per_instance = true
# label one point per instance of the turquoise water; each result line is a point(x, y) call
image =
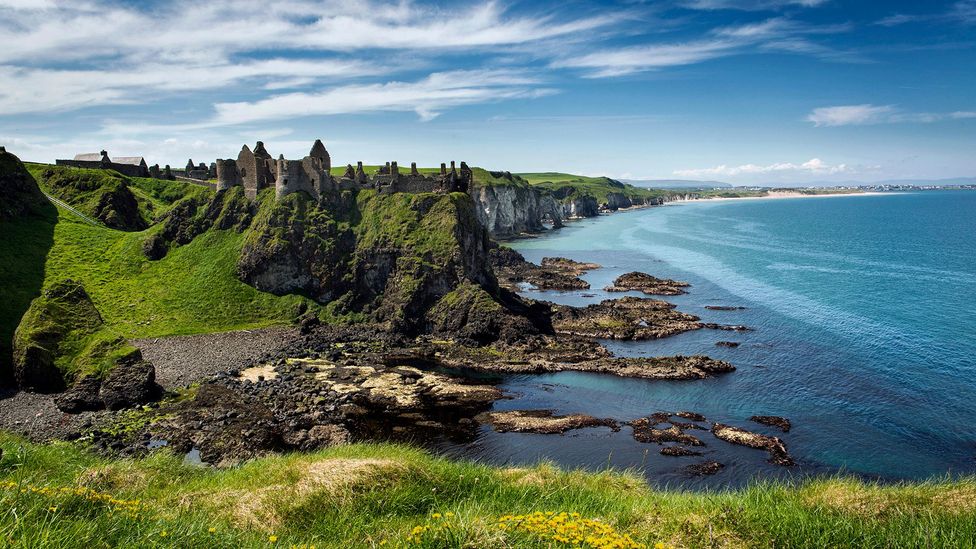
point(864, 317)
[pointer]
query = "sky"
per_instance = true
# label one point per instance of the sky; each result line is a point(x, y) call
point(743, 91)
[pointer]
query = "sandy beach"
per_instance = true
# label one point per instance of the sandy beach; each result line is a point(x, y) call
point(776, 195)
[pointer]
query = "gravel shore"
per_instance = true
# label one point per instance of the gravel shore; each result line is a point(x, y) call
point(181, 360)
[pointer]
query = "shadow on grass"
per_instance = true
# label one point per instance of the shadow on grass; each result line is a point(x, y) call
point(24, 246)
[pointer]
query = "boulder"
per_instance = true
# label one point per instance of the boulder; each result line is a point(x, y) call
point(130, 383)
point(81, 397)
point(63, 309)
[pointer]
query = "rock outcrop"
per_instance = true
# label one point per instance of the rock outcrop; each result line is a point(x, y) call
point(650, 285)
point(780, 423)
point(629, 318)
point(390, 257)
point(541, 421)
point(63, 311)
point(131, 382)
point(773, 445)
point(555, 273)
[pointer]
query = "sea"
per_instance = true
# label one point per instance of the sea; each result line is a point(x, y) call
point(863, 317)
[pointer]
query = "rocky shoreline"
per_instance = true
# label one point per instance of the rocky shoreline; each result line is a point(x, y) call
point(238, 395)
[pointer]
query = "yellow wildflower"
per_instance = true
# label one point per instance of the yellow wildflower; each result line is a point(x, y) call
point(272, 539)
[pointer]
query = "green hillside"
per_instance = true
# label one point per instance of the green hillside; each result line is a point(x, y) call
point(598, 187)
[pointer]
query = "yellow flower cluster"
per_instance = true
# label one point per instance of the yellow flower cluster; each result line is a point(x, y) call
point(568, 529)
point(132, 507)
point(439, 526)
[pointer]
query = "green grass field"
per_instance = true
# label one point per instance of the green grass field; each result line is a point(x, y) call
point(373, 495)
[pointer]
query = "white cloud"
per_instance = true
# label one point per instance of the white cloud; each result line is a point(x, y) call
point(642, 58)
point(814, 166)
point(749, 5)
point(51, 90)
point(101, 52)
point(191, 30)
point(846, 115)
point(779, 34)
point(427, 97)
point(866, 114)
point(962, 12)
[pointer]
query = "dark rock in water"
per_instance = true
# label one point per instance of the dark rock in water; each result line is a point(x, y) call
point(730, 344)
point(541, 421)
point(644, 431)
point(723, 308)
point(130, 383)
point(648, 284)
point(678, 451)
point(776, 448)
point(81, 397)
point(774, 421)
point(629, 318)
point(555, 273)
point(693, 416)
point(704, 468)
point(726, 327)
point(567, 266)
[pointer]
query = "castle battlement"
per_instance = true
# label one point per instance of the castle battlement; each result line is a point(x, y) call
point(257, 170)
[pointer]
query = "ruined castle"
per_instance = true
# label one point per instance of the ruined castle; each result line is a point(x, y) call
point(256, 170)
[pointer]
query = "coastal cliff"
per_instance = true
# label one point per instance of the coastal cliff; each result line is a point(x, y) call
point(512, 204)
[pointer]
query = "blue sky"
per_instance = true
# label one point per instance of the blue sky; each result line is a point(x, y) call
point(747, 91)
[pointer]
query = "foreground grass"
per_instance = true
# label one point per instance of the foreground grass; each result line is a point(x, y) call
point(58, 495)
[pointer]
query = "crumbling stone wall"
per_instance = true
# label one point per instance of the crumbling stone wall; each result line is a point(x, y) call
point(312, 174)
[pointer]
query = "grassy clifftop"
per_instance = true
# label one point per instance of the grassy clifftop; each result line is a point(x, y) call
point(598, 187)
point(393, 496)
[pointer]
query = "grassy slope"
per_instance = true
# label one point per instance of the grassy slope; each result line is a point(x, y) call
point(598, 187)
point(365, 495)
point(193, 289)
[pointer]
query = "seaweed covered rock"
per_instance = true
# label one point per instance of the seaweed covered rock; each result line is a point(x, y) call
point(650, 285)
point(19, 194)
point(628, 318)
point(555, 273)
point(63, 313)
point(469, 314)
point(101, 194)
point(773, 445)
point(541, 421)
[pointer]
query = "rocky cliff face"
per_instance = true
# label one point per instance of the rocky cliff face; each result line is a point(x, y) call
point(508, 210)
point(387, 257)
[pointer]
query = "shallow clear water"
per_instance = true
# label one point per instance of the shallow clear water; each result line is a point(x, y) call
point(865, 336)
